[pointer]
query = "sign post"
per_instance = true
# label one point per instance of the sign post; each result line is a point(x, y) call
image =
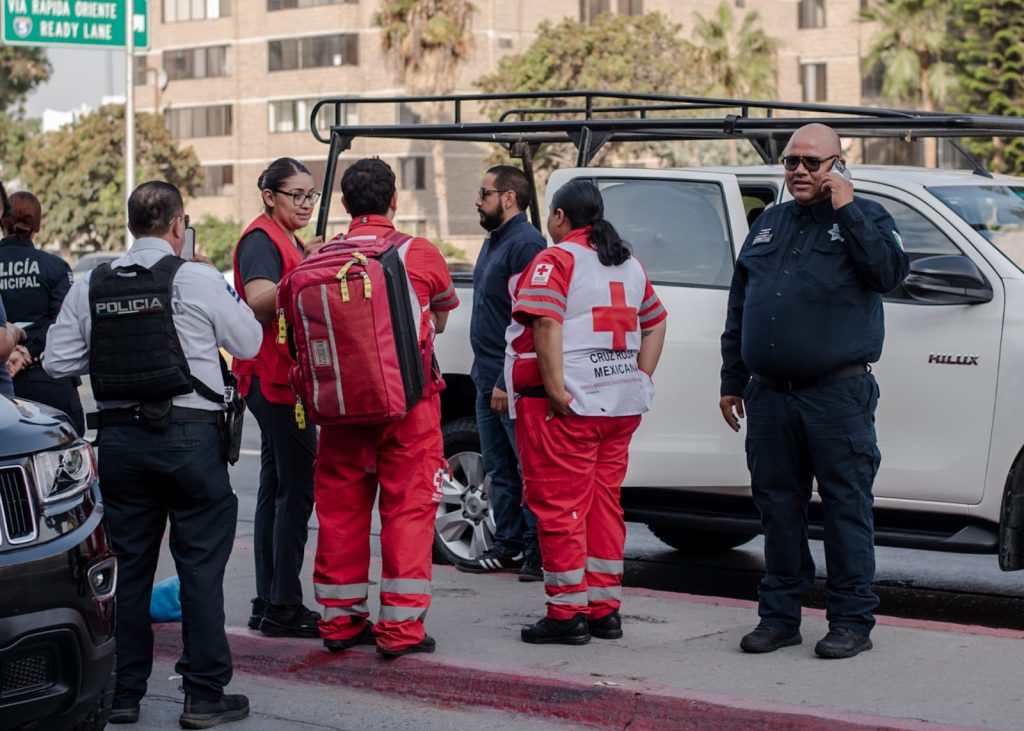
point(129, 117)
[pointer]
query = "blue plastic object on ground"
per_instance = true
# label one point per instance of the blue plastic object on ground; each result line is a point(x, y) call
point(165, 603)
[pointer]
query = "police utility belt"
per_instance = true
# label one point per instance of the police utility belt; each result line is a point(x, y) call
point(781, 384)
point(135, 355)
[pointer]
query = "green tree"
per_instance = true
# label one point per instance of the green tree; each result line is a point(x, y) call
point(912, 47)
point(78, 174)
point(737, 62)
point(640, 54)
point(216, 239)
point(427, 41)
point(990, 68)
point(22, 68)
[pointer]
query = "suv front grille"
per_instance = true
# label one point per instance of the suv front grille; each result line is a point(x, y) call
point(16, 507)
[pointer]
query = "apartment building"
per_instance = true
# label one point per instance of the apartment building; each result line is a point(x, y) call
point(236, 80)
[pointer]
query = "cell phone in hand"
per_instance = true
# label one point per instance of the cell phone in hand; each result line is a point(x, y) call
point(839, 167)
point(189, 249)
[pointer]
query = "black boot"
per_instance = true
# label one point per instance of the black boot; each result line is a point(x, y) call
point(557, 631)
point(427, 644)
point(608, 627)
point(293, 621)
point(363, 637)
point(201, 713)
point(259, 608)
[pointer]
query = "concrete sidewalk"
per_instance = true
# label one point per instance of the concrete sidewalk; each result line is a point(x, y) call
point(678, 666)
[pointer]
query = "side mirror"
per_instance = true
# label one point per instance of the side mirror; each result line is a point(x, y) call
point(947, 280)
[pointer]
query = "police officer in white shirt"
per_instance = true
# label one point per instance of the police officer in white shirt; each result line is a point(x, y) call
point(147, 328)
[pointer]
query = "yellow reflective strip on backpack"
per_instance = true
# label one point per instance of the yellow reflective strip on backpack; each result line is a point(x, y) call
point(282, 328)
point(340, 276)
point(367, 289)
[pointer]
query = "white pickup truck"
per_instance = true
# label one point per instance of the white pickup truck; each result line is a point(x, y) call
point(952, 370)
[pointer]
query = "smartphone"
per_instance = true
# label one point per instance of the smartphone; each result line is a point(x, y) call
point(189, 249)
point(839, 167)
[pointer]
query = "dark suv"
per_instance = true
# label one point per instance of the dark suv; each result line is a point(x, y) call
point(57, 576)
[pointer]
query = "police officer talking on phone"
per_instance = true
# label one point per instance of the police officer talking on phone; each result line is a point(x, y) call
point(804, 322)
point(146, 328)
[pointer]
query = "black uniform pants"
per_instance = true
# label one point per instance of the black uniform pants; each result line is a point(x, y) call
point(61, 393)
point(284, 501)
point(145, 479)
point(825, 434)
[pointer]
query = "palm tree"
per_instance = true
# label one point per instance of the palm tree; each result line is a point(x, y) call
point(913, 48)
point(738, 63)
point(427, 40)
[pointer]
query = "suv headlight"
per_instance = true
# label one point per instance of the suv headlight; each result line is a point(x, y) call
point(64, 473)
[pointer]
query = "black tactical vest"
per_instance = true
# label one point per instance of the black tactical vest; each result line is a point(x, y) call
point(134, 351)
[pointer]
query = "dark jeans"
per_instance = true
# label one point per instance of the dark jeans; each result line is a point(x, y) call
point(515, 526)
point(285, 498)
point(60, 393)
point(145, 479)
point(826, 434)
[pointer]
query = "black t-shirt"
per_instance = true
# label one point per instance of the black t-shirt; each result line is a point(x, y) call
point(258, 258)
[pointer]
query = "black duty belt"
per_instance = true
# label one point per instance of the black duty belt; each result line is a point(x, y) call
point(134, 417)
point(781, 384)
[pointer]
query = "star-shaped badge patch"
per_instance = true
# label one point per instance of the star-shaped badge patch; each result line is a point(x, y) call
point(834, 232)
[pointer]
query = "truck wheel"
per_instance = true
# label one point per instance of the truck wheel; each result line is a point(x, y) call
point(1011, 520)
point(689, 540)
point(100, 711)
point(464, 524)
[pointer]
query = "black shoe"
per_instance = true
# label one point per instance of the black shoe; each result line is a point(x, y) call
point(363, 637)
point(609, 627)
point(427, 644)
point(124, 711)
point(259, 607)
point(842, 642)
point(207, 714)
point(490, 561)
point(291, 621)
point(557, 631)
point(531, 570)
point(766, 638)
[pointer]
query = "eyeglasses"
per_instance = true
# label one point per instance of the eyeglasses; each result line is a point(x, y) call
point(811, 164)
point(299, 197)
point(484, 192)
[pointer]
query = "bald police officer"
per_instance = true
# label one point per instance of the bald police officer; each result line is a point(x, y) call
point(804, 322)
point(147, 329)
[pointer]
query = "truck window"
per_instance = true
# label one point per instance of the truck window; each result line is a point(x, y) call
point(921, 237)
point(678, 229)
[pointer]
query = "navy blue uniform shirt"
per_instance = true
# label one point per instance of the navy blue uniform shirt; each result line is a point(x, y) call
point(806, 296)
point(34, 284)
point(507, 251)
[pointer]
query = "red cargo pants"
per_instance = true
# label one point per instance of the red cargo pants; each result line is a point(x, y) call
point(406, 459)
point(573, 468)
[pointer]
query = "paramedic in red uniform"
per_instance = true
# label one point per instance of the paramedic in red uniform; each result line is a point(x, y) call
point(405, 457)
point(267, 251)
point(587, 333)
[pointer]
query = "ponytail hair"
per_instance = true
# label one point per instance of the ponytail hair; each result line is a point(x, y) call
point(581, 202)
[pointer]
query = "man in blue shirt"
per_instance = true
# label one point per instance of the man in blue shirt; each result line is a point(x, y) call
point(804, 322)
point(509, 248)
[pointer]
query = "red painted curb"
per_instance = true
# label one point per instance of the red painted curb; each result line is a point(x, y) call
point(598, 705)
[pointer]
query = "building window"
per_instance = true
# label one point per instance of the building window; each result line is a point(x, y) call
point(404, 114)
point(590, 9)
point(871, 83)
point(631, 7)
point(289, 4)
point(140, 70)
point(196, 63)
point(412, 173)
point(504, 42)
point(292, 115)
point(813, 79)
point(741, 3)
point(219, 180)
point(179, 10)
point(313, 52)
point(812, 14)
point(187, 122)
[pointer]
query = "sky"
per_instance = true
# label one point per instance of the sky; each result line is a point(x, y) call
point(79, 75)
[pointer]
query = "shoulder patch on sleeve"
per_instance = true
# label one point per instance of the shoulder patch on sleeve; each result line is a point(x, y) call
point(541, 274)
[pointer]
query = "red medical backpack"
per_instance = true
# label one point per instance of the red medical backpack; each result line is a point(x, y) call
point(353, 319)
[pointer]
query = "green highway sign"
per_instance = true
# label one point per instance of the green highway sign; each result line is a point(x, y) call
point(93, 23)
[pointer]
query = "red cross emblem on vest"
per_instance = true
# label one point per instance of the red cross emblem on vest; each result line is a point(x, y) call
point(618, 319)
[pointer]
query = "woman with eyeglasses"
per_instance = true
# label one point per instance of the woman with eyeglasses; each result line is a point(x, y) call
point(267, 251)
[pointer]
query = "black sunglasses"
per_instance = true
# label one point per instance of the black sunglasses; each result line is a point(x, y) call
point(811, 164)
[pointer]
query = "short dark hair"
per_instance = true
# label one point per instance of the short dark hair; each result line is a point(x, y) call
point(277, 172)
point(152, 207)
point(368, 185)
point(507, 177)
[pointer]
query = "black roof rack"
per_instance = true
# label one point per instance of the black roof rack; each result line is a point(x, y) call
point(590, 119)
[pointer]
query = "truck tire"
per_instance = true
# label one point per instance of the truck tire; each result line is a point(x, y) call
point(464, 524)
point(688, 540)
point(96, 720)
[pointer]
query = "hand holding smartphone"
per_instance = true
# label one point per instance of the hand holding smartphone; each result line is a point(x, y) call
point(839, 167)
point(188, 250)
